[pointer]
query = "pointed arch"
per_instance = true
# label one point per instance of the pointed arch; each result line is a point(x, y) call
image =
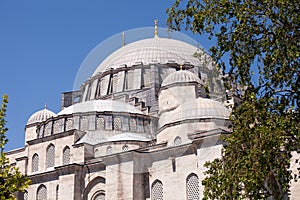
point(157, 190)
point(66, 155)
point(91, 185)
point(99, 195)
point(41, 193)
point(50, 156)
point(192, 187)
point(35, 163)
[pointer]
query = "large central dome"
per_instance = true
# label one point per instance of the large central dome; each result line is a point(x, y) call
point(152, 50)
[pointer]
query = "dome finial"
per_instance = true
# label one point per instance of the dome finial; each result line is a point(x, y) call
point(45, 106)
point(155, 28)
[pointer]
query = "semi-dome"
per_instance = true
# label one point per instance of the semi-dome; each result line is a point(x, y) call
point(40, 116)
point(152, 50)
point(99, 106)
point(181, 76)
point(198, 109)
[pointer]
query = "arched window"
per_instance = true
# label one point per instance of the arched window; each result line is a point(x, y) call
point(177, 141)
point(41, 193)
point(50, 156)
point(69, 124)
point(66, 155)
point(57, 127)
point(125, 148)
point(84, 124)
point(100, 123)
point(99, 196)
point(35, 163)
point(192, 187)
point(117, 124)
point(157, 190)
point(133, 125)
point(109, 150)
point(23, 196)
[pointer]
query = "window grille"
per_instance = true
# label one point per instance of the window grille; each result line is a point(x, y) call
point(69, 124)
point(177, 141)
point(50, 156)
point(56, 127)
point(132, 124)
point(157, 190)
point(66, 155)
point(130, 78)
point(25, 196)
point(125, 148)
point(103, 86)
point(115, 82)
point(48, 129)
point(192, 187)
point(109, 150)
point(84, 124)
point(41, 193)
point(100, 123)
point(96, 152)
point(117, 124)
point(35, 163)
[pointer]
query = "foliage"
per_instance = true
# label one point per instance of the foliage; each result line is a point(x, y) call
point(11, 179)
point(261, 39)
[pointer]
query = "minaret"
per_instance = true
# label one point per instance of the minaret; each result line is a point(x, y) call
point(123, 39)
point(155, 28)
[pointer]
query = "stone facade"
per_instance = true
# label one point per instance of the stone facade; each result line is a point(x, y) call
point(140, 128)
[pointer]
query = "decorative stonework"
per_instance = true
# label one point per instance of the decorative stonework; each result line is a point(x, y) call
point(125, 148)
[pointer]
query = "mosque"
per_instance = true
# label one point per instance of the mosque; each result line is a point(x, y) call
point(141, 127)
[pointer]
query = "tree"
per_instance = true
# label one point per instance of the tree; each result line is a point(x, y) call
point(261, 39)
point(11, 179)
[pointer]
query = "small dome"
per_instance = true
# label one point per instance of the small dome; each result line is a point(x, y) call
point(40, 116)
point(181, 76)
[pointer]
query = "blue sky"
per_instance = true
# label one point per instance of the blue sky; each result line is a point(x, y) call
point(43, 43)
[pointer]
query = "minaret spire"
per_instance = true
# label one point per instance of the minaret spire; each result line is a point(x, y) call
point(156, 28)
point(123, 39)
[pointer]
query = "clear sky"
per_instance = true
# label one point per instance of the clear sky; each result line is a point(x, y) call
point(43, 43)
